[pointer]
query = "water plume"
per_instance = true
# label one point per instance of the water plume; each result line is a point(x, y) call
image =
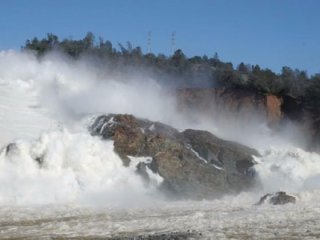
point(53, 97)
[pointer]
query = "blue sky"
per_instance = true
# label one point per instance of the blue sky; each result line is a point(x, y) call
point(271, 33)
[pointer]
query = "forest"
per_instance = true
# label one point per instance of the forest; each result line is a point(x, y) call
point(181, 71)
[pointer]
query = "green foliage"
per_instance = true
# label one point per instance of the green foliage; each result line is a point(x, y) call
point(197, 71)
point(312, 97)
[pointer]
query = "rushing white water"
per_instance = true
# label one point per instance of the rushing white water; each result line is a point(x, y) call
point(43, 109)
point(290, 169)
point(74, 167)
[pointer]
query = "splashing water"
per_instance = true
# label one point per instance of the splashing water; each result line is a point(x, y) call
point(63, 167)
point(66, 168)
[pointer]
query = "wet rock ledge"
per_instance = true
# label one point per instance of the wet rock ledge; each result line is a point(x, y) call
point(278, 198)
point(194, 164)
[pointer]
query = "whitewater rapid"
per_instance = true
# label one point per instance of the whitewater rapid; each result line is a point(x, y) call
point(58, 180)
point(63, 167)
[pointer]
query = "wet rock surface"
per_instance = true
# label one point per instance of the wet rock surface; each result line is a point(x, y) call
point(164, 236)
point(194, 164)
point(278, 198)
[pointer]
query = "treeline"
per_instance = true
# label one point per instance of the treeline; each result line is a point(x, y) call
point(182, 71)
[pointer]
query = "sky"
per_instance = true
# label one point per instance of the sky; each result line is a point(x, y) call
point(271, 33)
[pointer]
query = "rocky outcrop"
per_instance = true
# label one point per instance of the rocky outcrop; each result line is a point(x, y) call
point(293, 108)
point(238, 103)
point(194, 164)
point(243, 106)
point(273, 109)
point(278, 198)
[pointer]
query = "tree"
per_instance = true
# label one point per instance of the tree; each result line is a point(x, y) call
point(216, 56)
point(242, 68)
point(88, 41)
point(215, 60)
point(179, 59)
point(188, 71)
point(312, 96)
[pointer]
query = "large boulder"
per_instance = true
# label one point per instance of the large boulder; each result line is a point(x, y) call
point(194, 164)
point(235, 159)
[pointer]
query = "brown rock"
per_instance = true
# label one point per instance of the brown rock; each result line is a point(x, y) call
point(273, 108)
point(194, 164)
point(236, 103)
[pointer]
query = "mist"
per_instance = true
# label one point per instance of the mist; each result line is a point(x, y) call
point(71, 88)
point(47, 103)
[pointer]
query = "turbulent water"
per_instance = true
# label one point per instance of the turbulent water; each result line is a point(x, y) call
point(82, 190)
